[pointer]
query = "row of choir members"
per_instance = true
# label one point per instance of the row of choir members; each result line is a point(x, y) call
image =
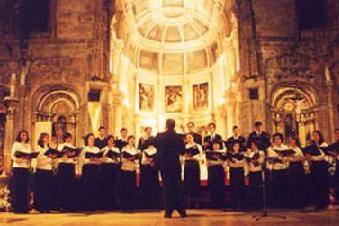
point(285, 175)
point(100, 174)
point(259, 136)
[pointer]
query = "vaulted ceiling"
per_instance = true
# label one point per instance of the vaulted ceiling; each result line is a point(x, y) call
point(174, 36)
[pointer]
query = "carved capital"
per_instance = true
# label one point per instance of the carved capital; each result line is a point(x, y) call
point(118, 44)
point(329, 83)
point(227, 43)
point(10, 103)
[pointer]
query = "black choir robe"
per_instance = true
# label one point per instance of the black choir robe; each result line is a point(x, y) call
point(254, 191)
point(66, 181)
point(262, 140)
point(91, 178)
point(100, 143)
point(43, 176)
point(128, 179)
point(237, 178)
point(216, 185)
point(20, 179)
point(197, 138)
point(110, 169)
point(192, 176)
point(149, 183)
point(142, 144)
point(320, 178)
point(121, 143)
point(230, 141)
point(209, 139)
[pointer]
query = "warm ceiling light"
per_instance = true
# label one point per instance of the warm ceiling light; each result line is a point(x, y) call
point(180, 11)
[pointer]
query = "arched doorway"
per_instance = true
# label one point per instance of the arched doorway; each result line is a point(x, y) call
point(56, 113)
point(295, 110)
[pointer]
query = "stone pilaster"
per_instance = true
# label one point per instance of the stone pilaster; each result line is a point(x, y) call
point(231, 103)
point(117, 95)
point(117, 110)
point(331, 110)
point(9, 132)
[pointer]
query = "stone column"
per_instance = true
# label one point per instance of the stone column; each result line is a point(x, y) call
point(116, 60)
point(331, 110)
point(187, 100)
point(9, 132)
point(229, 62)
point(110, 115)
point(231, 110)
point(78, 133)
point(117, 95)
point(317, 118)
point(270, 118)
point(117, 111)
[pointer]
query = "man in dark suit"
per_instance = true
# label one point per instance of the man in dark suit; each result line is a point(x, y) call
point(122, 142)
point(196, 136)
point(170, 146)
point(142, 140)
point(101, 141)
point(208, 140)
point(236, 137)
point(260, 137)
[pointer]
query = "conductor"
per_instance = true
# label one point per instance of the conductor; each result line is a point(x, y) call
point(170, 145)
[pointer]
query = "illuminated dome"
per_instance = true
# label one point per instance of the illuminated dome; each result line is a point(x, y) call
point(173, 36)
point(175, 58)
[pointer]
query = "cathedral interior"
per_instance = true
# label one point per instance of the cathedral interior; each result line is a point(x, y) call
point(77, 65)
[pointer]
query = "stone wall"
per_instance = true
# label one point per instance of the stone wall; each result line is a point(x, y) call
point(275, 18)
point(75, 55)
point(70, 55)
point(288, 56)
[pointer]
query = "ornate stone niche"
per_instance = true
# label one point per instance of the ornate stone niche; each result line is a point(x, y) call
point(56, 110)
point(294, 110)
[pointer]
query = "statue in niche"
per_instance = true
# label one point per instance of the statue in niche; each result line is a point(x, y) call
point(290, 130)
point(200, 97)
point(146, 97)
point(173, 99)
point(60, 128)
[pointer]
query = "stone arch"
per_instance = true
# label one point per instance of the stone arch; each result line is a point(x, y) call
point(294, 109)
point(53, 103)
point(54, 92)
point(306, 90)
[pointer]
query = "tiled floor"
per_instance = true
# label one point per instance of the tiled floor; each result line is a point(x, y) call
point(196, 218)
